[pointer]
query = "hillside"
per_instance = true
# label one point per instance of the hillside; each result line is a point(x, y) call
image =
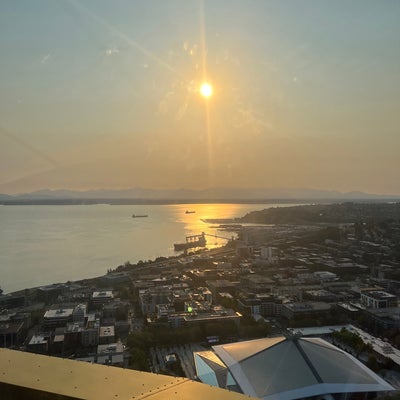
point(325, 213)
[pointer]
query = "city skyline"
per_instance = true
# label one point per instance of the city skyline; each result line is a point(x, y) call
point(99, 95)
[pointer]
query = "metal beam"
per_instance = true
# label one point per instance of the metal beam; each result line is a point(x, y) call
point(26, 375)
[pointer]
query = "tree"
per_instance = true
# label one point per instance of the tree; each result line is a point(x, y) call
point(372, 363)
point(138, 359)
point(141, 340)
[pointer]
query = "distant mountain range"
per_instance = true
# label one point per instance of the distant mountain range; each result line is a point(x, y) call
point(180, 195)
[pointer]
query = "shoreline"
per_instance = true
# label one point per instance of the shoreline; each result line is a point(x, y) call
point(147, 263)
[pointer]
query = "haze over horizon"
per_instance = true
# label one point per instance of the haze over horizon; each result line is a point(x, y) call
point(106, 94)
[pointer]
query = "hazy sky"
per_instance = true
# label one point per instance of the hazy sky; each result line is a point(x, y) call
point(104, 94)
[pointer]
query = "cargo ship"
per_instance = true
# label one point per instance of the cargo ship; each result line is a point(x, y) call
point(191, 242)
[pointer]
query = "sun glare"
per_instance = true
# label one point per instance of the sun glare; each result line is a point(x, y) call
point(206, 89)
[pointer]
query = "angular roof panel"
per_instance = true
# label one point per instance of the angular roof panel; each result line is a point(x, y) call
point(241, 350)
point(280, 368)
point(286, 369)
point(335, 366)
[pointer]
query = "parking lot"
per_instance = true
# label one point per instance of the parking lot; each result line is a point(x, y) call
point(185, 354)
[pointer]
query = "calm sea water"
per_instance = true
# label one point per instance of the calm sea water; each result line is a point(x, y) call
point(41, 245)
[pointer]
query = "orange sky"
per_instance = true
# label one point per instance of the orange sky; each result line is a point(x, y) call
point(94, 95)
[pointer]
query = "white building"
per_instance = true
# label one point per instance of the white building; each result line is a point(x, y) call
point(103, 297)
point(286, 369)
point(57, 317)
point(378, 299)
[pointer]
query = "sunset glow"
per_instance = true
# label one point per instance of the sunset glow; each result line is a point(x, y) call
point(200, 94)
point(206, 89)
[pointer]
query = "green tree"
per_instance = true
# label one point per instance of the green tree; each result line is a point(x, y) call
point(140, 340)
point(372, 363)
point(138, 359)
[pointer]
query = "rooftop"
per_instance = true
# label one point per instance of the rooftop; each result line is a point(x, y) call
point(103, 294)
point(287, 369)
point(59, 313)
point(378, 294)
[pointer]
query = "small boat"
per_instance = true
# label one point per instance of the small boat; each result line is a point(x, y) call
point(189, 212)
point(139, 215)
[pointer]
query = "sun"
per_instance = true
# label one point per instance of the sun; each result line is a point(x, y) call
point(206, 89)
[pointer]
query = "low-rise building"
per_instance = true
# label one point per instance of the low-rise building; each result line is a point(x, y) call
point(325, 276)
point(266, 305)
point(106, 334)
point(291, 310)
point(79, 313)
point(102, 297)
point(221, 285)
point(372, 298)
point(110, 354)
point(39, 343)
point(149, 298)
point(218, 314)
point(57, 317)
point(73, 335)
point(116, 309)
point(250, 306)
point(386, 318)
point(10, 333)
point(320, 295)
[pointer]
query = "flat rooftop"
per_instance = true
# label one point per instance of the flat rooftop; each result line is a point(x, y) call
point(59, 313)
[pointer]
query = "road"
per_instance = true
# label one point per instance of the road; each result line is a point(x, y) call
point(184, 353)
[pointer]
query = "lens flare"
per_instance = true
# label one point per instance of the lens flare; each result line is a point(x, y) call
point(206, 89)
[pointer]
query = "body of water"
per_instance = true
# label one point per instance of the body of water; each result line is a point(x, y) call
point(40, 245)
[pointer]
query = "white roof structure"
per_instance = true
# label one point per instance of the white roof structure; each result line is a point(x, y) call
point(286, 369)
point(59, 313)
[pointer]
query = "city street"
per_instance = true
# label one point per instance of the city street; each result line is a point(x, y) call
point(184, 353)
